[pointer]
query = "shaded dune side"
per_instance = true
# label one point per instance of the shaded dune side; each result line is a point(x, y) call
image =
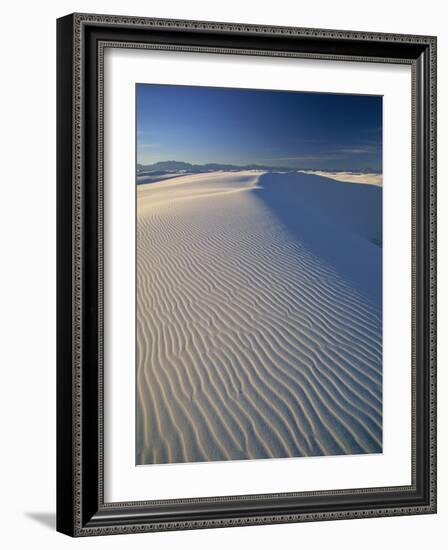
point(249, 345)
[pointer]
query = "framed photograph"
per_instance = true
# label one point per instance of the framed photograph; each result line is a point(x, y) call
point(246, 274)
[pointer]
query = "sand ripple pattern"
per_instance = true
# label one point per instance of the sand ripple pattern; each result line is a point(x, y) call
point(248, 344)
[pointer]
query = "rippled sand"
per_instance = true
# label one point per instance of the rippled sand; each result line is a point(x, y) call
point(257, 337)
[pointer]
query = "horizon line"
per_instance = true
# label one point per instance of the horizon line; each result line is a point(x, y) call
point(261, 165)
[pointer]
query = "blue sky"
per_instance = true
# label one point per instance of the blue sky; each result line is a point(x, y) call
point(275, 128)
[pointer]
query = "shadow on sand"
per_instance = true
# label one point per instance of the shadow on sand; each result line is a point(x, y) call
point(339, 222)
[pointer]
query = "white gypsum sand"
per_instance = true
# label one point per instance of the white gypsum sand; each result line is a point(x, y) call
point(350, 177)
point(258, 318)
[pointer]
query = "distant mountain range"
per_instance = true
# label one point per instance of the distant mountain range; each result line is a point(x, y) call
point(180, 166)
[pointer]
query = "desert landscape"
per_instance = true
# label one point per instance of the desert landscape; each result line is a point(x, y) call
point(259, 315)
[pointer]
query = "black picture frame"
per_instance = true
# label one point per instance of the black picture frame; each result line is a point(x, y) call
point(81, 510)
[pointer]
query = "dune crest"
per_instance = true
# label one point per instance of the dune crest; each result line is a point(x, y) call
point(252, 340)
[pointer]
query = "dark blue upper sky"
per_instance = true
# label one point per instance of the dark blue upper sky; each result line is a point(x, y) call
point(276, 128)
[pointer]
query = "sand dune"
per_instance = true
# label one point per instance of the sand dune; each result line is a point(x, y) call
point(350, 177)
point(257, 335)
